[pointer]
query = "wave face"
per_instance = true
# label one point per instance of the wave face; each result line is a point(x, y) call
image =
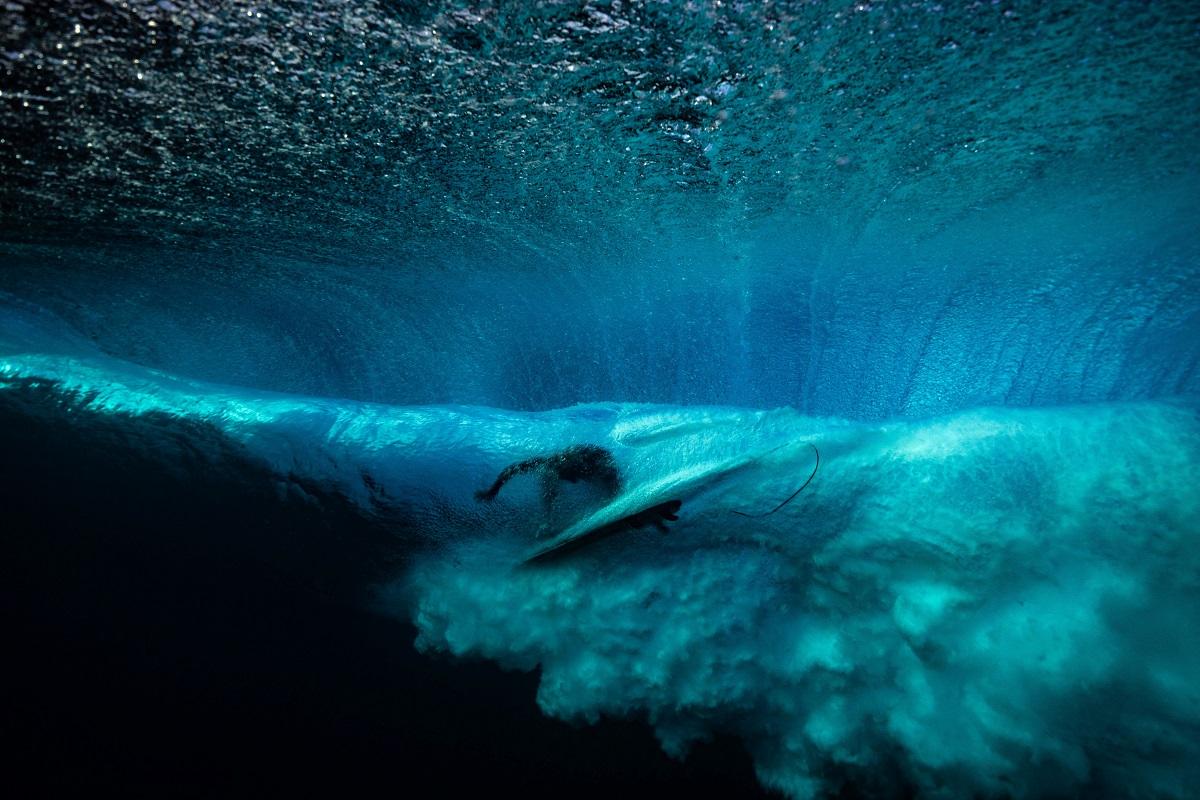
point(998, 602)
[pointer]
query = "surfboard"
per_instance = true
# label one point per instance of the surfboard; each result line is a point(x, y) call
point(650, 504)
point(656, 516)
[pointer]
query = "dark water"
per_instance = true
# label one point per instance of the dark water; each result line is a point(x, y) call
point(175, 625)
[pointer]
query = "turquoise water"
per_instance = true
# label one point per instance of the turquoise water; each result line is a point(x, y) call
point(861, 210)
point(385, 249)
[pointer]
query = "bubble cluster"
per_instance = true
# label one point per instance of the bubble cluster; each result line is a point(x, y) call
point(332, 125)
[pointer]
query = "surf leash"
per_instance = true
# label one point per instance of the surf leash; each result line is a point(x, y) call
point(792, 496)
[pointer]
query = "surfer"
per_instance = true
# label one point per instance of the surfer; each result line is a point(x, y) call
point(582, 462)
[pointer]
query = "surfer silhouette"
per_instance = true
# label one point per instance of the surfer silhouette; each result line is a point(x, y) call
point(582, 462)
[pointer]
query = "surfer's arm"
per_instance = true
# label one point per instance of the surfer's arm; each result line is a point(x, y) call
point(511, 471)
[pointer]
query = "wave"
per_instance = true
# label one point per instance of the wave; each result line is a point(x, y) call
point(994, 602)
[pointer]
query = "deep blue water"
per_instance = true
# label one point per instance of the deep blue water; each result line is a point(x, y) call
point(282, 285)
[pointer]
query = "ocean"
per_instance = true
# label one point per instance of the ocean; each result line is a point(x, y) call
point(833, 368)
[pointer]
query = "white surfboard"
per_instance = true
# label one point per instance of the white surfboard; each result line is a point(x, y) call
point(645, 505)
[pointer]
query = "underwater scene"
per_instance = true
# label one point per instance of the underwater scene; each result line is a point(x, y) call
point(580, 397)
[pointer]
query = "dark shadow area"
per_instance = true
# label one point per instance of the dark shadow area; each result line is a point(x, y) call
point(181, 620)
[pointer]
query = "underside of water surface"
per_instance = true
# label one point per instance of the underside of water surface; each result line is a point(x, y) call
point(284, 285)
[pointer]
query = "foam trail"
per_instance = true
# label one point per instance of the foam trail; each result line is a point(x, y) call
point(999, 602)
